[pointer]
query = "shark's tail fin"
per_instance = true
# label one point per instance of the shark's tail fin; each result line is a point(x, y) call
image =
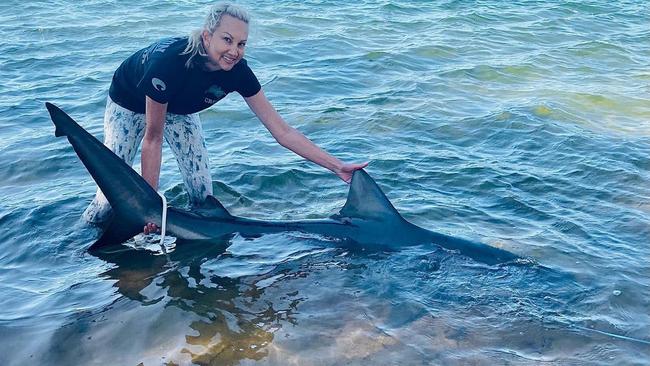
point(61, 120)
point(116, 233)
point(133, 200)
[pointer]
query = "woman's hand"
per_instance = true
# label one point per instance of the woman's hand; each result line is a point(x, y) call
point(150, 228)
point(295, 141)
point(346, 170)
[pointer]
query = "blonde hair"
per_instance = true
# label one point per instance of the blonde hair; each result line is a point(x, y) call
point(195, 43)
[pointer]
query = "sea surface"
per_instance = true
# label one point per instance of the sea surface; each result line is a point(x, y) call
point(520, 124)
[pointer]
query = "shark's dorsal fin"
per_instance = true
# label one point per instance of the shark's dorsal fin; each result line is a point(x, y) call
point(367, 201)
point(211, 207)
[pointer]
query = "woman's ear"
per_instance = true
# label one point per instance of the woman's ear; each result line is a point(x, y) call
point(206, 38)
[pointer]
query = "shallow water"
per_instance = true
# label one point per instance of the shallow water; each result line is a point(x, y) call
point(522, 125)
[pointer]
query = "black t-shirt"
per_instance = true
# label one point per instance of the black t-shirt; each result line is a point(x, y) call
point(159, 72)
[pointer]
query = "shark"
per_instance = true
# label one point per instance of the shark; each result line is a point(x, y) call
point(367, 218)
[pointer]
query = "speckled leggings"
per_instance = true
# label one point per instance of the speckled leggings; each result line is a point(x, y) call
point(123, 133)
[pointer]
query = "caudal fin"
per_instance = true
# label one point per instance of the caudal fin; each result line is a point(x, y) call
point(133, 200)
point(116, 233)
point(61, 120)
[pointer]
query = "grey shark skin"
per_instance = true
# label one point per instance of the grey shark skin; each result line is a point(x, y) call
point(367, 218)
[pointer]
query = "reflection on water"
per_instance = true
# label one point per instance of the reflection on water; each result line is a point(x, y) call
point(193, 314)
point(284, 299)
point(333, 307)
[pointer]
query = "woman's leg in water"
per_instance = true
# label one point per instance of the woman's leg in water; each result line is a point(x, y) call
point(184, 135)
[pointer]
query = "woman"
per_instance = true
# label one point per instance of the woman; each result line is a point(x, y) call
point(159, 90)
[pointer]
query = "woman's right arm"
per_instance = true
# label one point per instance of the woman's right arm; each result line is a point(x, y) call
point(152, 147)
point(152, 143)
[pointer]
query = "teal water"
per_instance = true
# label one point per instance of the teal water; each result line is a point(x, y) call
point(523, 125)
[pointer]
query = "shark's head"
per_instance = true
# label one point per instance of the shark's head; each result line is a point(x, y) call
point(377, 223)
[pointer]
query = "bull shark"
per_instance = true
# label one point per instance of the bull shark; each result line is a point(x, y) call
point(367, 218)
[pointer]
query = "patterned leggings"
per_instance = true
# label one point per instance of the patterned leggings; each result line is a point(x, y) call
point(123, 133)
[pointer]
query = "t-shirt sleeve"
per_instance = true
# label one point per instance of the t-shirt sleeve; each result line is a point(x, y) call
point(248, 84)
point(160, 80)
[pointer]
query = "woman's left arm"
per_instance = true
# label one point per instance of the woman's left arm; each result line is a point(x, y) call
point(295, 141)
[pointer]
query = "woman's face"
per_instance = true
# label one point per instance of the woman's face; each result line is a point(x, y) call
point(225, 46)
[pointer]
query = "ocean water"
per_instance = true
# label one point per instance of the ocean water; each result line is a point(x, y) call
point(523, 125)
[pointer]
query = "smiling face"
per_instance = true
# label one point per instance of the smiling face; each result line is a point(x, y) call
point(225, 46)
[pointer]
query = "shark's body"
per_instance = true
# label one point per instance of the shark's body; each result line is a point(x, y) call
point(367, 218)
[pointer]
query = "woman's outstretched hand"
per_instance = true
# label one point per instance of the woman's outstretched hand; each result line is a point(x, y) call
point(346, 170)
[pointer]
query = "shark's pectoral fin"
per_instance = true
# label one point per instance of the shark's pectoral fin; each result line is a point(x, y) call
point(367, 201)
point(211, 207)
point(116, 233)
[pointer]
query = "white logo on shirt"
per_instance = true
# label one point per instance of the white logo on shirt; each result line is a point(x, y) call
point(158, 84)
